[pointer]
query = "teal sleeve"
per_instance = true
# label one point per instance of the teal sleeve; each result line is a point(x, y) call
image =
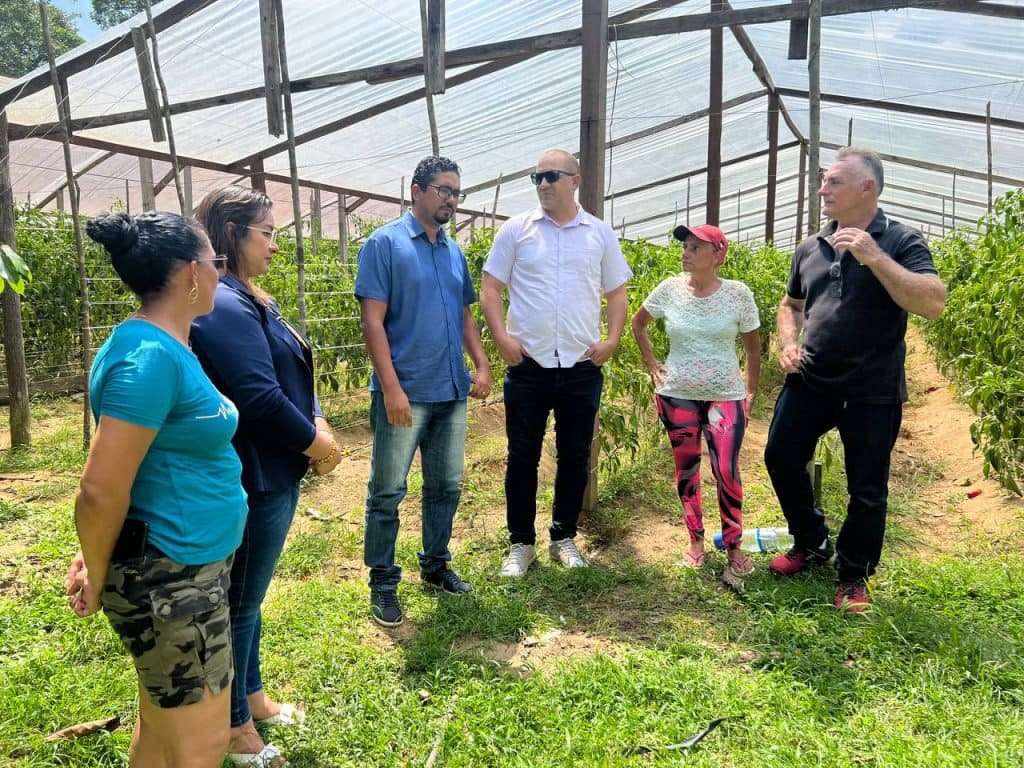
point(142, 387)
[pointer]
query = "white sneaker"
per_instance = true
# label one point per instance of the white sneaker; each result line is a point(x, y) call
point(517, 563)
point(564, 552)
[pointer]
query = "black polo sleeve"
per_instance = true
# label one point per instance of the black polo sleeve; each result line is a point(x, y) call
point(912, 253)
point(795, 288)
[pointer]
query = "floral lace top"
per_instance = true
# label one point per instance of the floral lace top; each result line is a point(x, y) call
point(702, 362)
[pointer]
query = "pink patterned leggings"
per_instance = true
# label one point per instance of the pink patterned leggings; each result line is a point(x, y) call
point(722, 423)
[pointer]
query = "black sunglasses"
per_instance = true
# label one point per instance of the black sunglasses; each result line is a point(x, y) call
point(835, 273)
point(549, 176)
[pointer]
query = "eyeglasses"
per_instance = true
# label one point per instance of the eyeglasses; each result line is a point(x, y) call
point(447, 193)
point(835, 273)
point(549, 176)
point(271, 234)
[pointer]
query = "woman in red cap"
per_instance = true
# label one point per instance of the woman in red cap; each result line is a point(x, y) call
point(699, 389)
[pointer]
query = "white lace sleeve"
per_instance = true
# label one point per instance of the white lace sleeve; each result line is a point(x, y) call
point(657, 301)
point(750, 320)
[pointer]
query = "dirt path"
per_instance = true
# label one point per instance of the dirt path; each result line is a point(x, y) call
point(935, 450)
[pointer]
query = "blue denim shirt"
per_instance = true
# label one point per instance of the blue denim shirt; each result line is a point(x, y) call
point(426, 286)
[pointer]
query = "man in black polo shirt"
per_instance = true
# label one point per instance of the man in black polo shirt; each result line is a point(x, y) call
point(850, 289)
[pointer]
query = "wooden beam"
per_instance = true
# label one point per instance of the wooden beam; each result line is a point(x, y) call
point(593, 105)
point(258, 179)
point(145, 65)
point(761, 71)
point(343, 229)
point(434, 50)
point(146, 184)
point(988, 144)
point(64, 111)
point(926, 165)
point(357, 204)
point(798, 36)
point(675, 122)
point(91, 162)
point(800, 194)
point(20, 413)
point(911, 109)
point(773, 166)
point(161, 184)
point(395, 70)
point(72, 63)
point(814, 112)
point(433, 69)
point(537, 44)
point(698, 171)
point(271, 67)
point(289, 119)
point(714, 166)
point(186, 183)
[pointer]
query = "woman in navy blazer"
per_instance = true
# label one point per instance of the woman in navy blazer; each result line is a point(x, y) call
point(265, 367)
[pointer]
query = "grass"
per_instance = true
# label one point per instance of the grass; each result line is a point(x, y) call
point(934, 676)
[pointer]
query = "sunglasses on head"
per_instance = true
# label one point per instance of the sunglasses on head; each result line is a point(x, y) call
point(549, 176)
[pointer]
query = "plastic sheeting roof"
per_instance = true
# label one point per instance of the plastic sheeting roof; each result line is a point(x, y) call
point(500, 123)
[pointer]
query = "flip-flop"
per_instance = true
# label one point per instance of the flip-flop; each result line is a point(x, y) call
point(691, 561)
point(269, 757)
point(289, 715)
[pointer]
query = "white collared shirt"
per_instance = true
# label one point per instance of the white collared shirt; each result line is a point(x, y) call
point(556, 275)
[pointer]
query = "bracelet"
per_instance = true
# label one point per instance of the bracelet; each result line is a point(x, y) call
point(328, 457)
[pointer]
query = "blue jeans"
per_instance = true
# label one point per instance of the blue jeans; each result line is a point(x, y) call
point(270, 517)
point(439, 432)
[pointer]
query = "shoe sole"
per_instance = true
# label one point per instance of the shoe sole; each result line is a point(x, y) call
point(518, 576)
point(388, 624)
point(436, 588)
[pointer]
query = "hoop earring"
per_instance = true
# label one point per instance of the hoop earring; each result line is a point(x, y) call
point(193, 294)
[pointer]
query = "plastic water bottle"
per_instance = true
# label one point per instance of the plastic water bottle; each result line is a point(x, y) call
point(760, 540)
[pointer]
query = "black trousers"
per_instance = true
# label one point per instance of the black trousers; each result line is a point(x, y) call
point(868, 432)
point(531, 393)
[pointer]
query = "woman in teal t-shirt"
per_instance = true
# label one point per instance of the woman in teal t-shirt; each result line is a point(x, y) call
point(161, 507)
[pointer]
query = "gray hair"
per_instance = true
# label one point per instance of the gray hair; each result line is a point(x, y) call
point(870, 160)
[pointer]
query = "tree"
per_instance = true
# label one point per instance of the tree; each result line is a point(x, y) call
point(108, 13)
point(21, 35)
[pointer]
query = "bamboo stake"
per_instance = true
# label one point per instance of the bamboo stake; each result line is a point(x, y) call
point(171, 148)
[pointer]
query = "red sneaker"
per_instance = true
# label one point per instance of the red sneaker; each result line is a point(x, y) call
point(799, 559)
point(852, 596)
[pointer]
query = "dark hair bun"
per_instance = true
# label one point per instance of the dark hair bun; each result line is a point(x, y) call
point(116, 232)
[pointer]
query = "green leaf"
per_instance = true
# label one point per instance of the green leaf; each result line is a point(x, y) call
point(13, 270)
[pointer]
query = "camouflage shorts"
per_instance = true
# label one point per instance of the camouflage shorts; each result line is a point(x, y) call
point(173, 619)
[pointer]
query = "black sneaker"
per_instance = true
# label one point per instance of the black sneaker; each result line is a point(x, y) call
point(385, 608)
point(446, 580)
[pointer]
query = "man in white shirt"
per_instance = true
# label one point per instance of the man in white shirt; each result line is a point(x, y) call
point(556, 262)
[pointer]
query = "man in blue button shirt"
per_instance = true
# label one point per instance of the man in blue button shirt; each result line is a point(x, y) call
point(415, 290)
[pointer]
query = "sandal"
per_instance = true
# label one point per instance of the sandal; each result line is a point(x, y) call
point(736, 570)
point(269, 757)
point(289, 715)
point(692, 561)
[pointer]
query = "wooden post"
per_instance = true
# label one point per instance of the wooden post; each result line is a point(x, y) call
point(849, 134)
point(988, 144)
point(168, 128)
point(186, 183)
point(342, 229)
point(954, 199)
point(593, 105)
point(315, 219)
point(127, 198)
point(739, 205)
point(802, 173)
point(64, 113)
point(293, 170)
point(258, 178)
point(494, 211)
point(156, 126)
point(60, 200)
point(402, 194)
point(146, 182)
point(814, 104)
point(798, 36)
point(593, 108)
point(943, 215)
point(773, 167)
point(688, 201)
point(432, 29)
point(10, 308)
point(271, 68)
point(714, 178)
point(472, 228)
